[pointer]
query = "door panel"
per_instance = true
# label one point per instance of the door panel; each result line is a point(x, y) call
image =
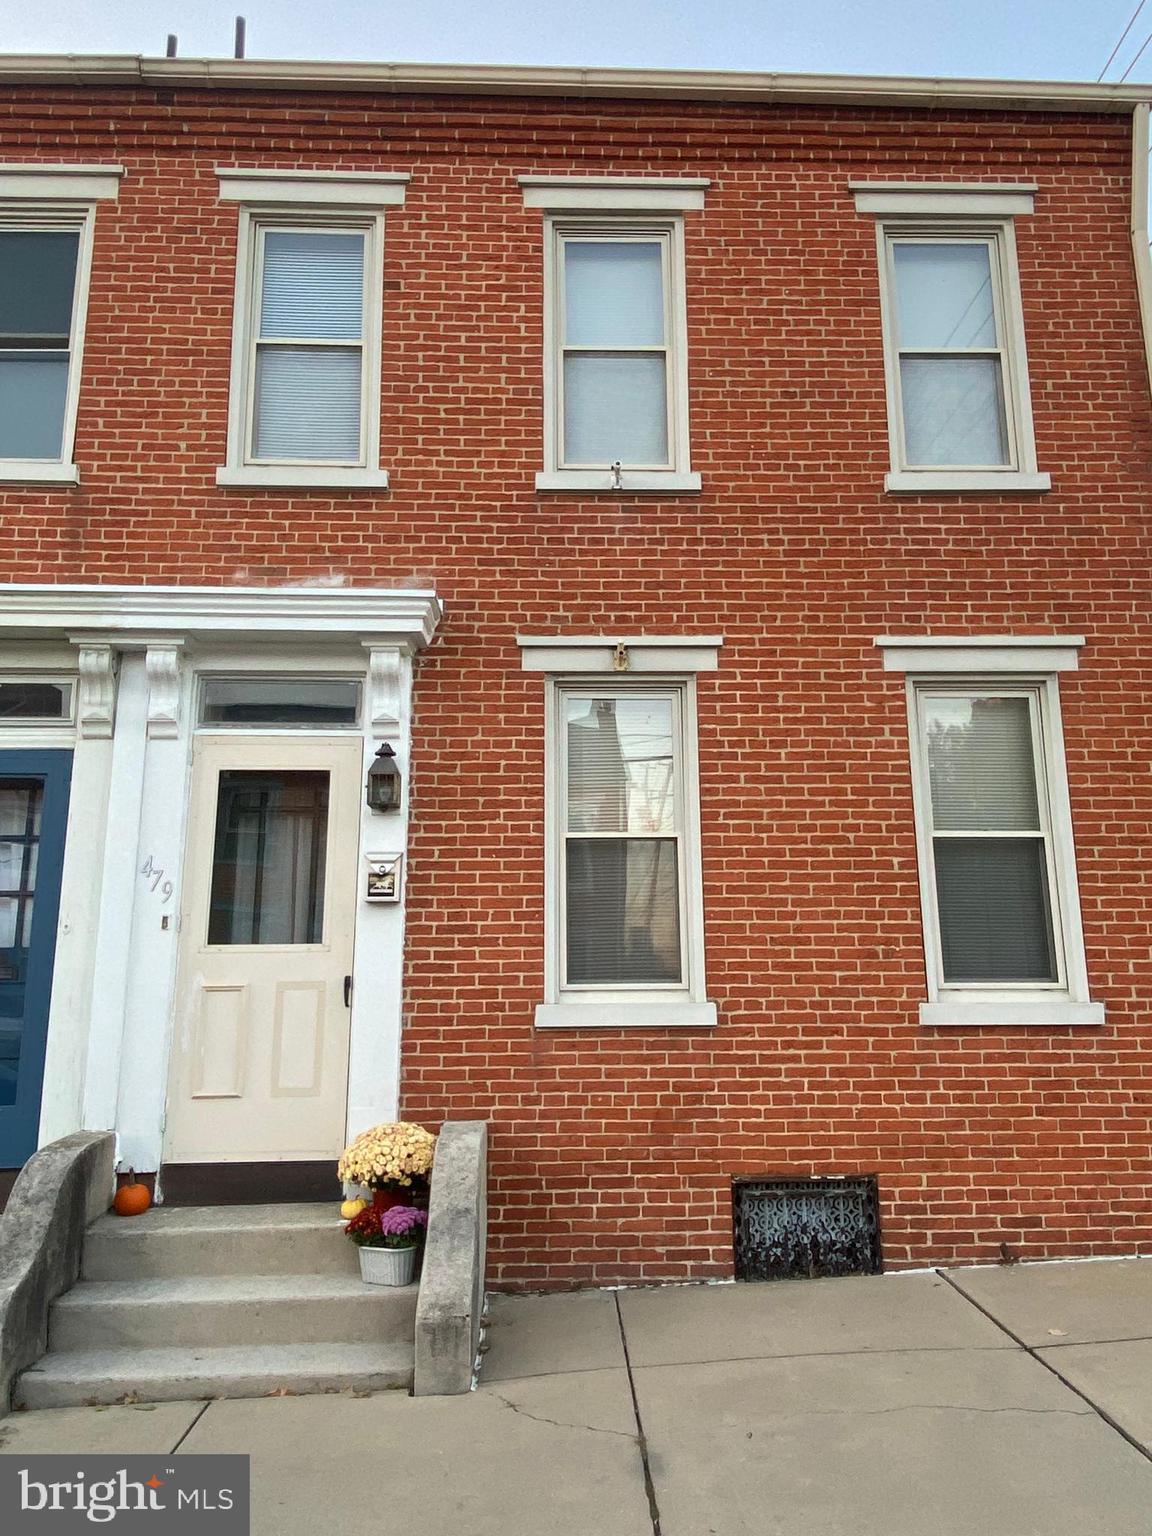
point(260, 1053)
point(33, 817)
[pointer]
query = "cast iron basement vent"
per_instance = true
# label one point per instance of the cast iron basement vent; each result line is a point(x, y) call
point(799, 1228)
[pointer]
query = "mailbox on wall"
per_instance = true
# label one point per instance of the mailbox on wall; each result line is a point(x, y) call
point(382, 876)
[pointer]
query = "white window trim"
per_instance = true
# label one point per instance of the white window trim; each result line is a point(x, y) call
point(976, 211)
point(329, 200)
point(1003, 663)
point(670, 662)
point(63, 197)
point(625, 205)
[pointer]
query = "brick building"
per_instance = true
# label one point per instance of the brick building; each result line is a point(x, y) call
point(727, 497)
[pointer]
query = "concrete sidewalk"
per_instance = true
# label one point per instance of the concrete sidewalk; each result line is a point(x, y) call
point(1012, 1402)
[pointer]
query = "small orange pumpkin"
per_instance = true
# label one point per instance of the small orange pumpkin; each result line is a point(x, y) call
point(133, 1198)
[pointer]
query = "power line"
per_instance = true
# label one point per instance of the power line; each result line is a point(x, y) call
point(1123, 35)
point(1136, 60)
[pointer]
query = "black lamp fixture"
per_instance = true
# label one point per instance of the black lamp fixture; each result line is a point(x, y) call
point(383, 786)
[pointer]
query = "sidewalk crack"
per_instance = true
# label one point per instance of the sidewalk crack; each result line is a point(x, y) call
point(539, 1418)
point(641, 1438)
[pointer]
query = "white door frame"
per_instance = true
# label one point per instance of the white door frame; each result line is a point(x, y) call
point(138, 652)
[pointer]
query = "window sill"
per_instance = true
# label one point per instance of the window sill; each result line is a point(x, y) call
point(303, 477)
point(664, 482)
point(34, 469)
point(669, 1015)
point(1039, 1012)
point(917, 482)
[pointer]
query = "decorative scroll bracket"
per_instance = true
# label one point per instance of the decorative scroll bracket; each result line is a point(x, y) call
point(96, 665)
point(388, 675)
point(162, 664)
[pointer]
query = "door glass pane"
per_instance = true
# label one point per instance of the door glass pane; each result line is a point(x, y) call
point(37, 279)
point(320, 701)
point(307, 403)
point(944, 295)
point(269, 857)
point(620, 765)
point(33, 391)
point(21, 803)
point(614, 294)
point(981, 764)
point(313, 285)
point(623, 914)
point(615, 407)
point(953, 411)
point(995, 917)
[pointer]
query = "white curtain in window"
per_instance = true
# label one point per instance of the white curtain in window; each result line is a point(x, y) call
point(614, 294)
point(953, 410)
point(615, 407)
point(308, 403)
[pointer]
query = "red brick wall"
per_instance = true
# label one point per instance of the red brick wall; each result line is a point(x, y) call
point(613, 1152)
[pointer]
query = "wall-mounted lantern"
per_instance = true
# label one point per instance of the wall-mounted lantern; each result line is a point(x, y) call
point(383, 786)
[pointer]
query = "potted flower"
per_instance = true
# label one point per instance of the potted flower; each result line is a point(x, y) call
point(388, 1241)
point(393, 1160)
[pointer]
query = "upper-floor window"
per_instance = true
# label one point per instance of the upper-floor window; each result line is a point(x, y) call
point(615, 333)
point(47, 216)
point(959, 407)
point(306, 345)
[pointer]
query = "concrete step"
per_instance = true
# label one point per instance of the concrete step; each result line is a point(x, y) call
point(171, 1241)
point(222, 1310)
point(74, 1378)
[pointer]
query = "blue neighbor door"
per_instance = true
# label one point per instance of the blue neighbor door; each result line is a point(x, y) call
point(33, 814)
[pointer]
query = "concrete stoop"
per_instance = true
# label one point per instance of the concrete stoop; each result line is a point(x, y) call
point(221, 1301)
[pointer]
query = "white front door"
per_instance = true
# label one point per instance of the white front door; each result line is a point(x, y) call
point(260, 1048)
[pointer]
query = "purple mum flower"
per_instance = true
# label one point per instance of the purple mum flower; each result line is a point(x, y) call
point(400, 1220)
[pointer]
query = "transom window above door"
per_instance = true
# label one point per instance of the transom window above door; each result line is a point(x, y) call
point(256, 703)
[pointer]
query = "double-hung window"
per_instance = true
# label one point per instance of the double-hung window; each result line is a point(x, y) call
point(307, 332)
point(1001, 911)
point(47, 214)
point(615, 333)
point(624, 910)
point(958, 399)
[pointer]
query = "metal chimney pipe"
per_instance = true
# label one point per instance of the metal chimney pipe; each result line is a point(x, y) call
point(170, 50)
point(238, 50)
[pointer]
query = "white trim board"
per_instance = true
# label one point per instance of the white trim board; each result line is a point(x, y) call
point(598, 653)
point(635, 194)
point(60, 183)
point(319, 189)
point(901, 199)
point(976, 654)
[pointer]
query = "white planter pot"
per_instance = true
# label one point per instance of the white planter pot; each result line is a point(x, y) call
point(388, 1266)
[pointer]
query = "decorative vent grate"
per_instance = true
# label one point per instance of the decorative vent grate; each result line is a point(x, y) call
point(800, 1228)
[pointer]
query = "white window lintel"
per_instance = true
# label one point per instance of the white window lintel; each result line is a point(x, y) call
point(976, 655)
point(619, 657)
point(59, 183)
point(632, 194)
point(319, 189)
point(895, 199)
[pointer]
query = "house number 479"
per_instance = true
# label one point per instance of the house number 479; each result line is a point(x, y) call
point(152, 871)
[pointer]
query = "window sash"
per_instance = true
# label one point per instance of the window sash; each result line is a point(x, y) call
point(258, 344)
point(57, 346)
point(1003, 351)
point(562, 349)
point(677, 837)
point(1042, 768)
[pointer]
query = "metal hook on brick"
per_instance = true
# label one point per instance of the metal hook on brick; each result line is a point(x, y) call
point(617, 476)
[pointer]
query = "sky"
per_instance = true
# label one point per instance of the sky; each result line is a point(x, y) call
point(1005, 39)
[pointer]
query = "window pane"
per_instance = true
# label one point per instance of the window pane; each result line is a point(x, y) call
point(944, 295)
point(279, 701)
point(953, 410)
point(307, 403)
point(981, 765)
point(37, 279)
point(268, 864)
point(615, 408)
point(21, 802)
point(995, 918)
point(614, 294)
point(620, 765)
point(623, 914)
point(313, 285)
point(33, 390)
point(33, 700)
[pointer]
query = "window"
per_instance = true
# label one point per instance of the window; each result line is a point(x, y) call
point(615, 333)
point(260, 702)
point(997, 866)
point(307, 343)
point(958, 398)
point(35, 701)
point(624, 936)
point(47, 215)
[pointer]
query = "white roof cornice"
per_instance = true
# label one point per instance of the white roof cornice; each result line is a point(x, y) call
point(101, 70)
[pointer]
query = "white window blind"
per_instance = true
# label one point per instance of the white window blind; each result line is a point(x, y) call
point(308, 346)
point(614, 351)
point(622, 832)
point(951, 353)
point(990, 837)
